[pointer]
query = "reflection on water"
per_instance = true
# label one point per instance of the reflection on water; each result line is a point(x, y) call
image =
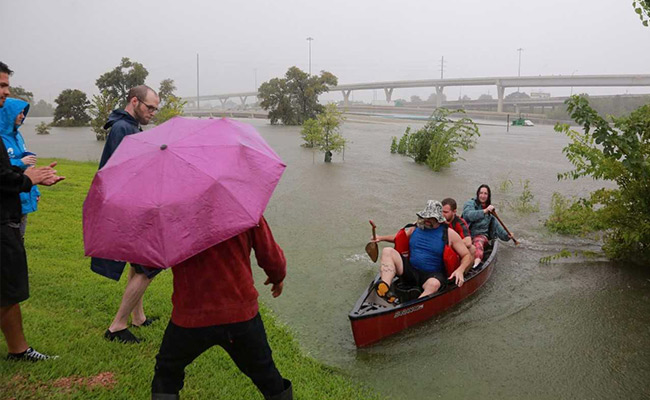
point(572, 329)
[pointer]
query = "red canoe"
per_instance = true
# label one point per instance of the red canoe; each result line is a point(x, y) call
point(373, 319)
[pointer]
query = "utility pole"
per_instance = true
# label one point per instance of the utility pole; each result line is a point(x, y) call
point(309, 39)
point(198, 104)
point(519, 69)
point(442, 67)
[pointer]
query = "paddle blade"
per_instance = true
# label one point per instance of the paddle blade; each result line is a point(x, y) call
point(373, 251)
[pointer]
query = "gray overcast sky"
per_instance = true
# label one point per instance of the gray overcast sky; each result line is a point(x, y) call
point(54, 45)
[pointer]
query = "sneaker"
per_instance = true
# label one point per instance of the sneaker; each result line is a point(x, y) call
point(123, 336)
point(30, 355)
point(383, 291)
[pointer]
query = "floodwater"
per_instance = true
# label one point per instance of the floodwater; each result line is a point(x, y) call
point(573, 329)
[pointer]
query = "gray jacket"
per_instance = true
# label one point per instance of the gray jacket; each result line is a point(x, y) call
point(481, 223)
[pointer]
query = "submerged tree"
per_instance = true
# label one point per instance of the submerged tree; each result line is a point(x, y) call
point(71, 106)
point(437, 143)
point(294, 98)
point(323, 132)
point(100, 108)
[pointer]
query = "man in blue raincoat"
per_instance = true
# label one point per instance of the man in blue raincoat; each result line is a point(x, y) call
point(11, 118)
point(142, 105)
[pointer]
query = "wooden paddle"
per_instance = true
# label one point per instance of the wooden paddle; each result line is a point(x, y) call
point(504, 227)
point(372, 248)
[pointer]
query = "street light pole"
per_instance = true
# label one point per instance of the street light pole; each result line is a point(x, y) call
point(198, 104)
point(519, 69)
point(572, 77)
point(309, 39)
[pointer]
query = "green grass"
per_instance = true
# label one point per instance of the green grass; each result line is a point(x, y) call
point(70, 308)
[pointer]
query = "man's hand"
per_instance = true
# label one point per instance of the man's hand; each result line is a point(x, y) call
point(29, 160)
point(458, 277)
point(52, 181)
point(40, 174)
point(276, 289)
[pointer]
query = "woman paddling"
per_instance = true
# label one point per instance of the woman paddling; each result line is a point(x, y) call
point(482, 224)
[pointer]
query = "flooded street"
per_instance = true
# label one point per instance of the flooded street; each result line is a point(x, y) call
point(571, 329)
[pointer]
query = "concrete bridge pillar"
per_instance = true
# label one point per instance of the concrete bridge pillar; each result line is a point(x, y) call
point(439, 96)
point(223, 102)
point(346, 97)
point(389, 93)
point(500, 92)
point(243, 100)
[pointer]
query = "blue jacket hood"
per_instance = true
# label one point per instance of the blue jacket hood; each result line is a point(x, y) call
point(118, 115)
point(8, 114)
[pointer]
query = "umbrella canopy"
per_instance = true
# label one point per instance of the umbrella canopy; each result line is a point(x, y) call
point(177, 189)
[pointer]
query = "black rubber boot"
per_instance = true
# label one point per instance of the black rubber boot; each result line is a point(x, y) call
point(286, 394)
point(164, 396)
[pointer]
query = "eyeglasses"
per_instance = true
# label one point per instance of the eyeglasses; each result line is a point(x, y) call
point(151, 109)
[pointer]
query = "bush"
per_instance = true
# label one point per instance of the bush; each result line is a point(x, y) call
point(173, 107)
point(525, 202)
point(43, 129)
point(438, 142)
point(618, 153)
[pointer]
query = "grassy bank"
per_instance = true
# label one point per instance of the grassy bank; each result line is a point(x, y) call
point(70, 308)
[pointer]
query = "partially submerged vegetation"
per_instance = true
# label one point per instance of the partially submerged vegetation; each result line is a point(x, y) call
point(619, 153)
point(437, 144)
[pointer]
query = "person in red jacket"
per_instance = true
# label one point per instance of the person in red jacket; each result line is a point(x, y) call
point(458, 224)
point(215, 303)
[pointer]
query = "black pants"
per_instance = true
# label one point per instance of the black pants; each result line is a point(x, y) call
point(245, 342)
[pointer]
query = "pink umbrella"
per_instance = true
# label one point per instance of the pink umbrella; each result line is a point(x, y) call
point(177, 189)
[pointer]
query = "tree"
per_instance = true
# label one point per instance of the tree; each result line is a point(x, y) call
point(434, 96)
point(18, 92)
point(294, 98)
point(120, 79)
point(619, 154)
point(485, 97)
point(43, 129)
point(71, 106)
point(41, 109)
point(172, 107)
point(166, 89)
point(100, 109)
point(311, 133)
point(517, 96)
point(323, 132)
point(438, 142)
point(416, 99)
point(642, 7)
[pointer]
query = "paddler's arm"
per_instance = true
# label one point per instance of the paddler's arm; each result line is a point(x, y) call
point(387, 238)
point(456, 243)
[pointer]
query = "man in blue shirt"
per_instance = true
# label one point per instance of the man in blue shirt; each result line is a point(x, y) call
point(422, 263)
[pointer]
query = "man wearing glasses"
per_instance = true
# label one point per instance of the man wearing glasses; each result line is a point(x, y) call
point(141, 107)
